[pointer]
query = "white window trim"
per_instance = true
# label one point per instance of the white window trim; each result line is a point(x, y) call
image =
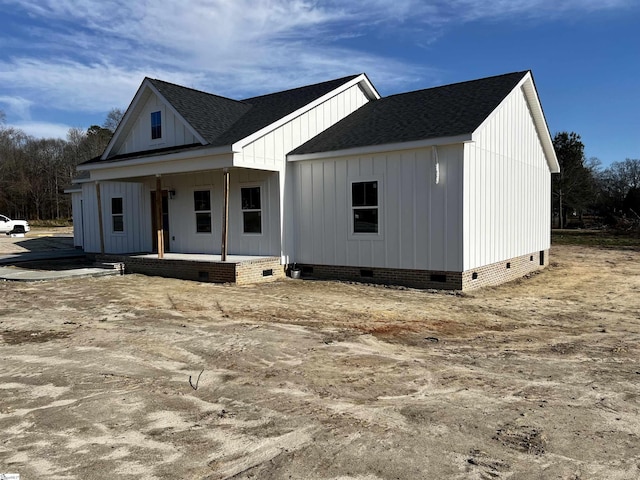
point(366, 235)
point(112, 215)
point(210, 211)
point(261, 185)
point(155, 142)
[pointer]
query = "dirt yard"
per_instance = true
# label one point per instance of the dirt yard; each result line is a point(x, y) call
point(537, 379)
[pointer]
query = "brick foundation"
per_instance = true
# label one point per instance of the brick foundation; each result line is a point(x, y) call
point(241, 273)
point(505, 271)
point(487, 275)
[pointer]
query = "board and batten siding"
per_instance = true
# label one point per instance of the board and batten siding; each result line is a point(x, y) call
point(268, 152)
point(136, 216)
point(420, 222)
point(174, 131)
point(182, 218)
point(507, 187)
point(78, 228)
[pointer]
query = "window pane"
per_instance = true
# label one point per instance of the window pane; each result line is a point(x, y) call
point(357, 194)
point(250, 198)
point(365, 220)
point(371, 194)
point(364, 194)
point(118, 223)
point(116, 206)
point(202, 200)
point(156, 125)
point(203, 222)
point(252, 222)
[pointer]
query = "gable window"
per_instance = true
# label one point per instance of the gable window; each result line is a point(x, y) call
point(117, 215)
point(156, 125)
point(364, 204)
point(202, 208)
point(251, 209)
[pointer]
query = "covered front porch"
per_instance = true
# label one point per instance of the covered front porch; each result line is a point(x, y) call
point(236, 269)
point(230, 211)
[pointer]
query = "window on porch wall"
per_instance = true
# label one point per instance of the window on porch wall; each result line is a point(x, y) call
point(202, 208)
point(117, 215)
point(251, 209)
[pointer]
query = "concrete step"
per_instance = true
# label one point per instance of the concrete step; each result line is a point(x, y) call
point(110, 265)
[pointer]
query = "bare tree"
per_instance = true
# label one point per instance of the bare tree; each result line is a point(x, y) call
point(113, 119)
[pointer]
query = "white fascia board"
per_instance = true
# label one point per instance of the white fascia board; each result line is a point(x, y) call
point(187, 165)
point(389, 147)
point(362, 78)
point(529, 89)
point(156, 159)
point(124, 122)
point(80, 181)
point(73, 190)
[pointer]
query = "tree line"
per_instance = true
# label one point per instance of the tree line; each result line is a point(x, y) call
point(34, 172)
point(610, 196)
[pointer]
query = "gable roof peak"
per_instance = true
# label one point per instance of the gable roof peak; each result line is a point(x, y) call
point(156, 81)
point(340, 80)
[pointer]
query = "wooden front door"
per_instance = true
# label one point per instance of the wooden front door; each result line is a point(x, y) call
point(165, 220)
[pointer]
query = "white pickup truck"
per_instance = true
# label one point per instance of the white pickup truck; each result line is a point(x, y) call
point(9, 226)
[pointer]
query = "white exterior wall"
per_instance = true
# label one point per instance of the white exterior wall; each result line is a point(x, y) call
point(507, 190)
point(183, 237)
point(420, 222)
point(78, 229)
point(268, 151)
point(137, 220)
point(174, 131)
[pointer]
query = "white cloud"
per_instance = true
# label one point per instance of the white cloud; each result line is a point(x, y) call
point(71, 85)
point(97, 52)
point(16, 106)
point(42, 129)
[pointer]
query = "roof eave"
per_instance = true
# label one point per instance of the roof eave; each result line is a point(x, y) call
point(388, 147)
point(143, 160)
point(529, 89)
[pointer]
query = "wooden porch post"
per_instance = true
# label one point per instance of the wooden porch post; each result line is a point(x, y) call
point(160, 227)
point(100, 221)
point(225, 215)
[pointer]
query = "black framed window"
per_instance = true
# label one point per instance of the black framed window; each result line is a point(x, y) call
point(202, 208)
point(364, 204)
point(117, 214)
point(156, 125)
point(251, 209)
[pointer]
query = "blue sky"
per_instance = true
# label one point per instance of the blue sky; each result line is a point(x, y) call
point(66, 63)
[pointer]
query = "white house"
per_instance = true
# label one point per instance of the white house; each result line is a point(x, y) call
point(447, 187)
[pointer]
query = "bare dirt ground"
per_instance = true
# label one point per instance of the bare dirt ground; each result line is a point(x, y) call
point(537, 379)
point(39, 239)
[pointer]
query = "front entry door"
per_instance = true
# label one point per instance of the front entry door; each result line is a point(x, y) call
point(165, 220)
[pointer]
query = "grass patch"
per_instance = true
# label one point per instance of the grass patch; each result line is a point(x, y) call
point(594, 238)
point(60, 222)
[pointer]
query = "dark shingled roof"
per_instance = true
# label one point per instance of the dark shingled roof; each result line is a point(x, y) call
point(267, 109)
point(445, 111)
point(210, 115)
point(223, 121)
